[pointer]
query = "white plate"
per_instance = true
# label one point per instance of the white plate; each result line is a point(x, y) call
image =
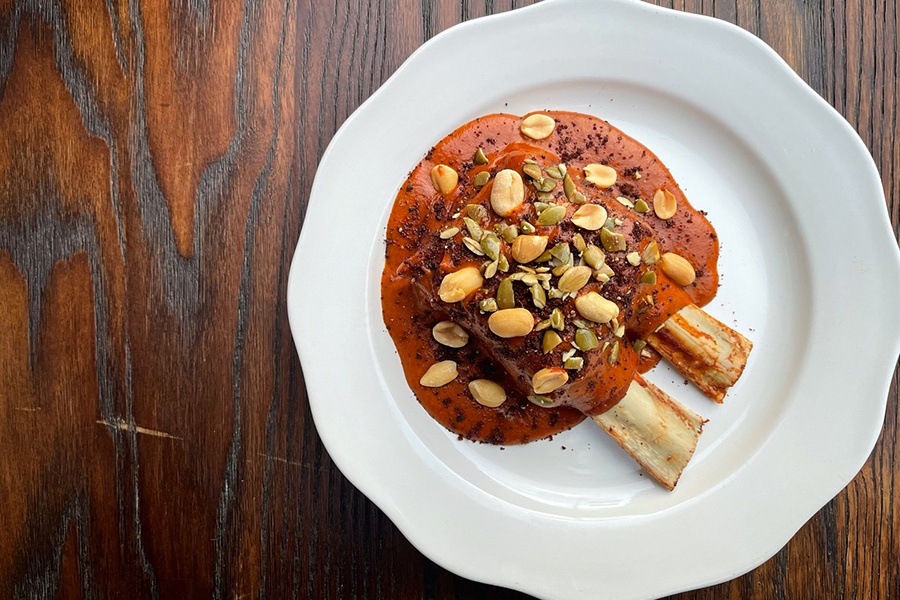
point(810, 272)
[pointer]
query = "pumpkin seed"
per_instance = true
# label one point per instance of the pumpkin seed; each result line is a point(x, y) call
point(503, 264)
point(568, 187)
point(526, 227)
point(626, 202)
point(578, 198)
point(545, 196)
point(542, 325)
point(555, 171)
point(509, 233)
point(490, 245)
point(639, 345)
point(552, 216)
point(574, 364)
point(540, 207)
point(473, 246)
point(620, 331)
point(554, 294)
point(641, 206)
point(562, 252)
point(480, 158)
point(579, 243)
point(542, 401)
point(569, 354)
point(559, 271)
point(650, 254)
point(585, 340)
point(593, 256)
point(488, 305)
point(505, 295)
point(557, 319)
point(532, 170)
point(529, 279)
point(545, 184)
point(551, 340)
point(476, 212)
point(633, 258)
point(448, 233)
point(649, 278)
point(614, 353)
point(482, 178)
point(612, 241)
point(475, 230)
point(538, 296)
point(491, 269)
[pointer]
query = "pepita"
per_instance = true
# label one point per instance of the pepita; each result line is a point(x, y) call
point(538, 296)
point(612, 241)
point(555, 172)
point(551, 340)
point(633, 258)
point(476, 212)
point(568, 187)
point(552, 216)
point(480, 158)
point(490, 245)
point(481, 178)
point(491, 269)
point(487, 305)
point(557, 320)
point(545, 184)
point(614, 353)
point(448, 233)
point(574, 364)
point(585, 340)
point(579, 243)
point(542, 401)
point(532, 170)
point(626, 202)
point(650, 255)
point(526, 227)
point(473, 246)
point(593, 256)
point(578, 198)
point(649, 278)
point(509, 233)
point(641, 206)
point(505, 294)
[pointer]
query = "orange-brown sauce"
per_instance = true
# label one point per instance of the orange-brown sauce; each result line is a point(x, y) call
point(420, 212)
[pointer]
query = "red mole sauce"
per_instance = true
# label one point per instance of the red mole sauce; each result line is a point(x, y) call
point(417, 259)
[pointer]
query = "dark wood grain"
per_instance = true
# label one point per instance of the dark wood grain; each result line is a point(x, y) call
point(155, 164)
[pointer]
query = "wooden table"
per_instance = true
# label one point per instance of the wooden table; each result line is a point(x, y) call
point(155, 164)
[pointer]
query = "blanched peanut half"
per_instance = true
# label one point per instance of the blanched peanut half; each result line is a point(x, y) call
point(444, 178)
point(677, 268)
point(538, 126)
point(549, 379)
point(590, 217)
point(459, 284)
point(511, 322)
point(664, 204)
point(438, 374)
point(526, 248)
point(600, 175)
point(594, 307)
point(450, 334)
point(507, 193)
point(487, 393)
point(574, 279)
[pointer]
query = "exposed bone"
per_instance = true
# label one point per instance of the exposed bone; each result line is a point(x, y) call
point(706, 351)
